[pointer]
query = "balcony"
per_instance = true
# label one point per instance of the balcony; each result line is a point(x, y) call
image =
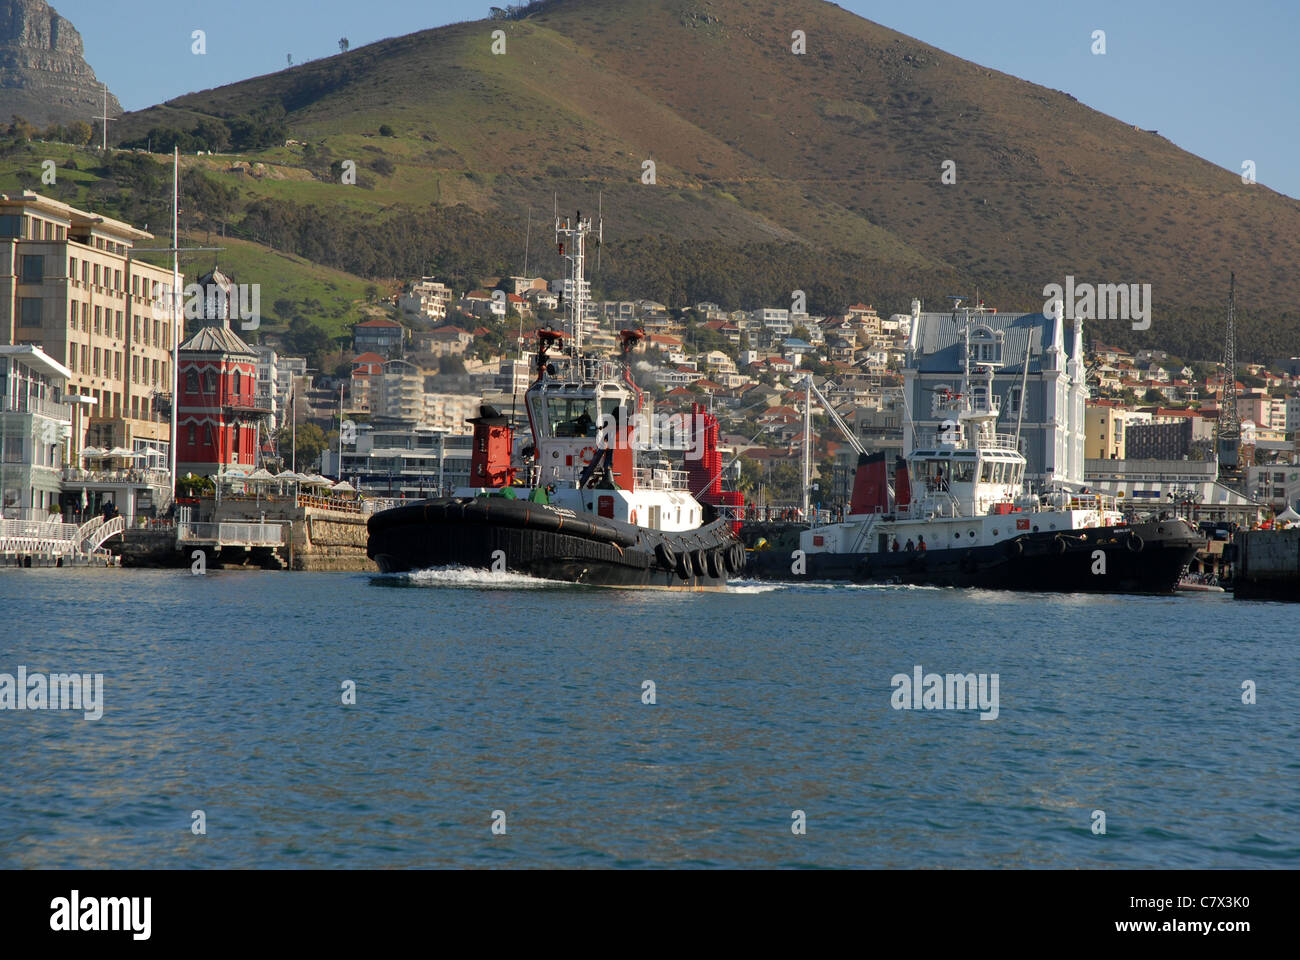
point(36, 405)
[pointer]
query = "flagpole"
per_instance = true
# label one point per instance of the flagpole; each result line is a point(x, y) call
point(176, 327)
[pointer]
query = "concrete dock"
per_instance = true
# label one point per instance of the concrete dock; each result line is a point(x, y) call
point(1267, 565)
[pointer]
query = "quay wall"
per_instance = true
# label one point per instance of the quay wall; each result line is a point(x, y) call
point(1268, 565)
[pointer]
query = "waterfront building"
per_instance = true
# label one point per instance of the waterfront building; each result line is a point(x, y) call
point(1188, 487)
point(400, 458)
point(1042, 408)
point(71, 283)
point(36, 421)
point(219, 416)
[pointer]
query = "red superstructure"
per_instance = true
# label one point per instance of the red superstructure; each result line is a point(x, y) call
point(704, 476)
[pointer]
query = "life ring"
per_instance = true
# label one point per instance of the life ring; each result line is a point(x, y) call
point(1135, 543)
point(713, 562)
point(665, 555)
point(587, 454)
point(631, 517)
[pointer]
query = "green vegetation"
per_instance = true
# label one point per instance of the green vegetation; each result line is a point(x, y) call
point(756, 195)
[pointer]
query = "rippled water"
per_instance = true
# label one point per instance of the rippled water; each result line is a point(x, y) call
point(223, 693)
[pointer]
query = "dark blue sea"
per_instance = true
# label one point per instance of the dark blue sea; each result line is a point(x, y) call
point(520, 703)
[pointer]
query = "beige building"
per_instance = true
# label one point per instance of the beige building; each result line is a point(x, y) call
point(70, 285)
point(1104, 430)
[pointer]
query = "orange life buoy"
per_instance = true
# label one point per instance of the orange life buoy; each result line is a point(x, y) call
point(631, 517)
point(587, 454)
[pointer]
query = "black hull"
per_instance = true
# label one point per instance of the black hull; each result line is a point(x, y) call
point(1142, 558)
point(498, 534)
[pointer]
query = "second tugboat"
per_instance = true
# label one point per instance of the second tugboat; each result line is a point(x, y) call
point(582, 508)
point(956, 514)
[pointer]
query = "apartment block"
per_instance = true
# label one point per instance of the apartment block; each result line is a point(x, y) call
point(70, 283)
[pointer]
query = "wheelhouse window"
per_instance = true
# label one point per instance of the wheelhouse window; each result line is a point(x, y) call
point(572, 416)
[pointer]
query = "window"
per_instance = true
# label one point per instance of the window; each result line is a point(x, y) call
point(135, 328)
point(154, 371)
point(117, 278)
point(72, 268)
point(85, 318)
point(135, 286)
point(209, 382)
point(11, 225)
point(191, 381)
point(235, 383)
point(95, 365)
point(96, 274)
point(29, 311)
point(118, 326)
point(155, 332)
point(135, 369)
point(98, 316)
point(1013, 400)
point(33, 269)
point(190, 435)
point(72, 314)
point(117, 365)
point(72, 356)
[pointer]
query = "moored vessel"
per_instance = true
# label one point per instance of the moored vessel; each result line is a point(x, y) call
point(955, 512)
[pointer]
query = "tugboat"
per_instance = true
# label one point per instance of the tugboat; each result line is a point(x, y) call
point(957, 514)
point(582, 508)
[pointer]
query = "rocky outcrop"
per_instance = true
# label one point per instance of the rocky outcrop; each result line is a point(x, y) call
point(44, 77)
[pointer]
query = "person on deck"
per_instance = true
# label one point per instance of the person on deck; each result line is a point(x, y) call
point(910, 544)
point(894, 546)
point(920, 543)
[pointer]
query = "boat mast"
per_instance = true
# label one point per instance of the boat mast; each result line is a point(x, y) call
point(571, 240)
point(176, 299)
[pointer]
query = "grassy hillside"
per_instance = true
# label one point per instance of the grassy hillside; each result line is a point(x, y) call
point(774, 171)
point(323, 295)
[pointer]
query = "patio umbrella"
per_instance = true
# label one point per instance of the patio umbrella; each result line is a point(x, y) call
point(260, 476)
point(343, 487)
point(91, 452)
point(120, 452)
point(286, 475)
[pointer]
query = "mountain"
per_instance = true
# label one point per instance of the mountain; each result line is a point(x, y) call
point(774, 171)
point(44, 77)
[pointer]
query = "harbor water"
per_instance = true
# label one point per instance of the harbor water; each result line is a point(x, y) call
point(602, 728)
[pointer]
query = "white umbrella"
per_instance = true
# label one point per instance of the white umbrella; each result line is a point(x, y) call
point(260, 476)
point(286, 475)
point(91, 452)
point(343, 487)
point(120, 452)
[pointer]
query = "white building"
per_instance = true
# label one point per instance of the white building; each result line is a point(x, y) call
point(1050, 427)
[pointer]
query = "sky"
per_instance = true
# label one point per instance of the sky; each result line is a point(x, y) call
point(1221, 80)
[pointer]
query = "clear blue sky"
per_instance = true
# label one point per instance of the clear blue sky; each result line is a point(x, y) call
point(1219, 79)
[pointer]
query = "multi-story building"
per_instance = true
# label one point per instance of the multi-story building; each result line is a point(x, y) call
point(426, 299)
point(403, 459)
point(1050, 428)
point(398, 393)
point(71, 284)
point(268, 384)
point(1104, 430)
point(379, 335)
point(35, 423)
point(219, 416)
